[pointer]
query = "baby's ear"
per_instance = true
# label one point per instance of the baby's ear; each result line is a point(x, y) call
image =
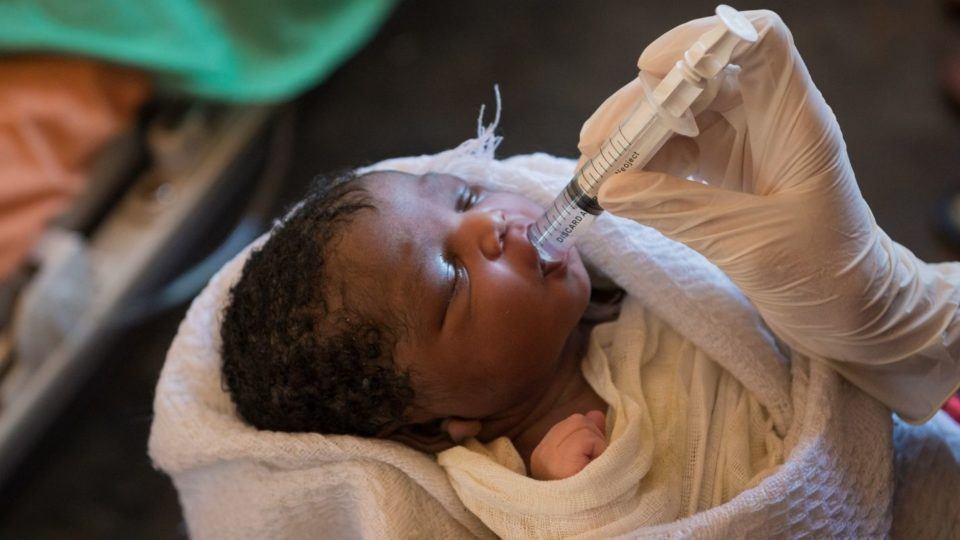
point(437, 435)
point(460, 429)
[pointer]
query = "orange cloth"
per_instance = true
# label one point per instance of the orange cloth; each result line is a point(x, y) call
point(55, 113)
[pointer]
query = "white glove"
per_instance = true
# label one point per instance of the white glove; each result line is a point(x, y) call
point(781, 214)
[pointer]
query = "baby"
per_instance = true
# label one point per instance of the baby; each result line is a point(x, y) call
point(414, 308)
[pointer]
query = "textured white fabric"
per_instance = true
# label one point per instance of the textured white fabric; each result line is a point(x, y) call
point(685, 436)
point(927, 474)
point(237, 482)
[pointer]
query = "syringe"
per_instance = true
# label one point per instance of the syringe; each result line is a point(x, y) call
point(664, 112)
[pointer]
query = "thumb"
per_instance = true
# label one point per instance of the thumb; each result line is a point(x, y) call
point(598, 445)
point(660, 56)
point(685, 210)
point(599, 419)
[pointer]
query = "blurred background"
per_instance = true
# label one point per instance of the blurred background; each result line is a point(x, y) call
point(142, 147)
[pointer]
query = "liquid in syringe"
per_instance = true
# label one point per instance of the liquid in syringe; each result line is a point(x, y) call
point(665, 111)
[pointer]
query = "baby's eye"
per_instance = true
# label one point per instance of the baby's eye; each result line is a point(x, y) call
point(468, 197)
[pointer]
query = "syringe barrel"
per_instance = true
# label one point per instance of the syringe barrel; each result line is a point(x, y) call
point(635, 141)
point(576, 207)
point(571, 213)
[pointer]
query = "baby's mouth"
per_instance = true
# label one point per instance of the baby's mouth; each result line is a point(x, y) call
point(545, 266)
point(548, 267)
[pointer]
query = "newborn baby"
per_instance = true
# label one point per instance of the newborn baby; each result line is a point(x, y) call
point(414, 308)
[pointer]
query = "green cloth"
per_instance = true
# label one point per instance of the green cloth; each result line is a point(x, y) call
point(234, 50)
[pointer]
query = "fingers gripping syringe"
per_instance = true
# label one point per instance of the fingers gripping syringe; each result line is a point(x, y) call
point(665, 111)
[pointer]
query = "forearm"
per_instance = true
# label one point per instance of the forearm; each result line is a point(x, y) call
point(910, 357)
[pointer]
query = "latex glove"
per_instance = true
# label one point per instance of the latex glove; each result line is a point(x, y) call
point(781, 214)
point(569, 446)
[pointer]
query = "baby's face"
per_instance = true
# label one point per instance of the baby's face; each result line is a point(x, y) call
point(484, 325)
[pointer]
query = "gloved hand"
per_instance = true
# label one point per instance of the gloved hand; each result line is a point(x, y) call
point(569, 446)
point(779, 211)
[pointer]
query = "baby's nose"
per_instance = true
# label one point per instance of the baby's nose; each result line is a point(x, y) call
point(491, 240)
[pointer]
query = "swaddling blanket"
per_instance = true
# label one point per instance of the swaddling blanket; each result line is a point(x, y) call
point(685, 436)
point(237, 482)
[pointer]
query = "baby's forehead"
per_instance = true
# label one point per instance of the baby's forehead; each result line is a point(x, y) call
point(427, 185)
point(402, 199)
point(388, 245)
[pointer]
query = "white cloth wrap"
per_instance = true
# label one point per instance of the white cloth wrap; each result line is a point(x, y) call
point(237, 482)
point(685, 436)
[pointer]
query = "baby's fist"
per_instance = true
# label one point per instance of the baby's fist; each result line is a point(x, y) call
point(569, 445)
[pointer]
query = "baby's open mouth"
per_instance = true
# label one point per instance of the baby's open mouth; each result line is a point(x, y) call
point(548, 267)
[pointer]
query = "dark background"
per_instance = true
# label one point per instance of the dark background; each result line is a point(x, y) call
point(416, 88)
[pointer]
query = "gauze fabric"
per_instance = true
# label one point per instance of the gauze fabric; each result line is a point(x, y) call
point(778, 209)
point(684, 436)
point(237, 482)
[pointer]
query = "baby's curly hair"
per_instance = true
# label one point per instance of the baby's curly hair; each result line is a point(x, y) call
point(290, 361)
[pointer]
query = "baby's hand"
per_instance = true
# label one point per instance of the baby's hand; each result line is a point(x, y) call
point(569, 446)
